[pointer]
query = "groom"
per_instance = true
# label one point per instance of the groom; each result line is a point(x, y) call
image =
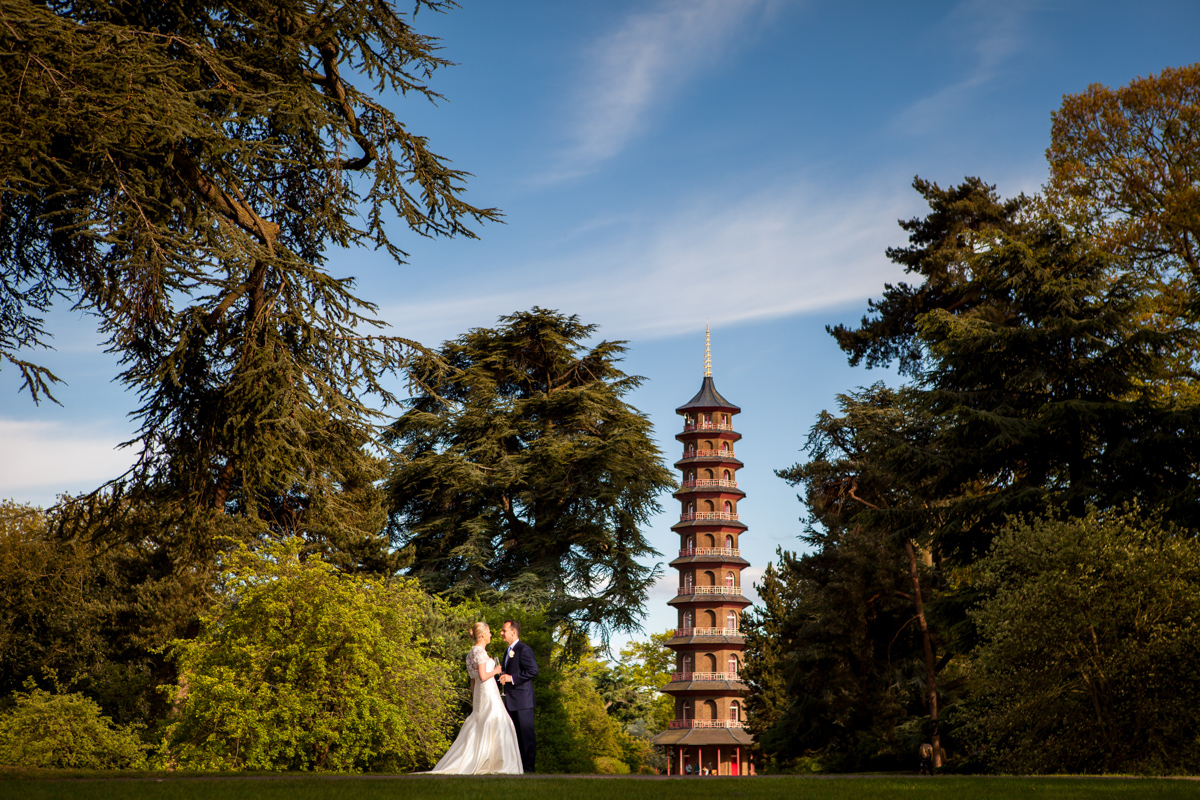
point(520, 668)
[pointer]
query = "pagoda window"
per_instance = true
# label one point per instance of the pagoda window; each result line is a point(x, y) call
point(725, 419)
point(728, 542)
point(686, 710)
point(733, 711)
point(728, 507)
point(708, 473)
point(687, 664)
point(727, 476)
point(691, 508)
point(687, 581)
point(733, 665)
point(690, 544)
point(687, 619)
point(731, 620)
point(725, 447)
point(710, 709)
point(708, 418)
point(729, 580)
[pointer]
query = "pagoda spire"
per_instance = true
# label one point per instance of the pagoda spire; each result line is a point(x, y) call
point(707, 354)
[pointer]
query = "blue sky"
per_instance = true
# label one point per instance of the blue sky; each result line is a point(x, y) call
point(667, 163)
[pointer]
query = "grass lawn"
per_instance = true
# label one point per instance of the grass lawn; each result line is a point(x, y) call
point(49, 785)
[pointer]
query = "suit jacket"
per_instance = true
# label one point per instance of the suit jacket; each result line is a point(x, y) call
point(523, 668)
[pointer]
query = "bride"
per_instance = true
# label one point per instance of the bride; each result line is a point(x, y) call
point(488, 740)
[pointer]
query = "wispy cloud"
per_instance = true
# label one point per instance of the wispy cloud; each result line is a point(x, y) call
point(44, 459)
point(725, 259)
point(635, 67)
point(995, 33)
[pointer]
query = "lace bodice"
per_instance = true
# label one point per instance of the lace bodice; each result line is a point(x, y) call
point(475, 657)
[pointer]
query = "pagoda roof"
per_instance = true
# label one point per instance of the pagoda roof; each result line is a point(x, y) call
point(708, 397)
point(703, 736)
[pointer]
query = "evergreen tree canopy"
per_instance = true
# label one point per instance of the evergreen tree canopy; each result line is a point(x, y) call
point(527, 476)
point(180, 171)
point(964, 220)
point(1038, 385)
point(1046, 392)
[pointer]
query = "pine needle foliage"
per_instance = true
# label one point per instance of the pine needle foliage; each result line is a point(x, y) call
point(527, 477)
point(181, 171)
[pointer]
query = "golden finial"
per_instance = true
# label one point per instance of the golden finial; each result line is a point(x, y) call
point(707, 354)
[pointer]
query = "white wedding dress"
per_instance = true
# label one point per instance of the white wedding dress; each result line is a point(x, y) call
point(487, 742)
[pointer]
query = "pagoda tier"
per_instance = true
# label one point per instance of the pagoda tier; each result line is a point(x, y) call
point(708, 730)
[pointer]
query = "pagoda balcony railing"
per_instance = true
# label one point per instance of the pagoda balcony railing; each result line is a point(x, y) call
point(704, 676)
point(704, 483)
point(692, 452)
point(707, 632)
point(688, 516)
point(707, 723)
point(687, 552)
point(707, 426)
point(710, 590)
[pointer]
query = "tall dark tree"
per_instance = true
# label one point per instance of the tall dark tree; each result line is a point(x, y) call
point(1043, 370)
point(525, 474)
point(180, 171)
point(833, 658)
point(869, 524)
point(1048, 393)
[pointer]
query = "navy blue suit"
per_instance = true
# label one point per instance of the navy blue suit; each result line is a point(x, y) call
point(519, 700)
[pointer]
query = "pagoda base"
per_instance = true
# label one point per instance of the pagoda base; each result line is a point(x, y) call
point(721, 751)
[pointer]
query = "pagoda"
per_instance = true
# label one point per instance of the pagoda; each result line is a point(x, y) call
point(708, 732)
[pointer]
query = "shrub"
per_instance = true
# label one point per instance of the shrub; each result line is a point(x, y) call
point(1090, 653)
point(607, 765)
point(300, 667)
point(65, 730)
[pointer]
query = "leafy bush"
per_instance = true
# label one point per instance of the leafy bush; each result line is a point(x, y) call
point(300, 667)
point(1090, 655)
point(607, 765)
point(65, 730)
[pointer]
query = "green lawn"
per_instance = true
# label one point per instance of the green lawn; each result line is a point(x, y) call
point(550, 788)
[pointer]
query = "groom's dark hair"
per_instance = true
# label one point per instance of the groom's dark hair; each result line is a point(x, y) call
point(512, 623)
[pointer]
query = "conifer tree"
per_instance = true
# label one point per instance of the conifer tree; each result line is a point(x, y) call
point(1040, 360)
point(527, 477)
point(181, 171)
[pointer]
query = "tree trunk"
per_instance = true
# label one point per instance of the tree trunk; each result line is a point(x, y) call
point(930, 666)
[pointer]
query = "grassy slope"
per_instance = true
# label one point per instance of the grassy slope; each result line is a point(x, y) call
point(549, 788)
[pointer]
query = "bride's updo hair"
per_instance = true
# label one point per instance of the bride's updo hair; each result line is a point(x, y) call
point(477, 630)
